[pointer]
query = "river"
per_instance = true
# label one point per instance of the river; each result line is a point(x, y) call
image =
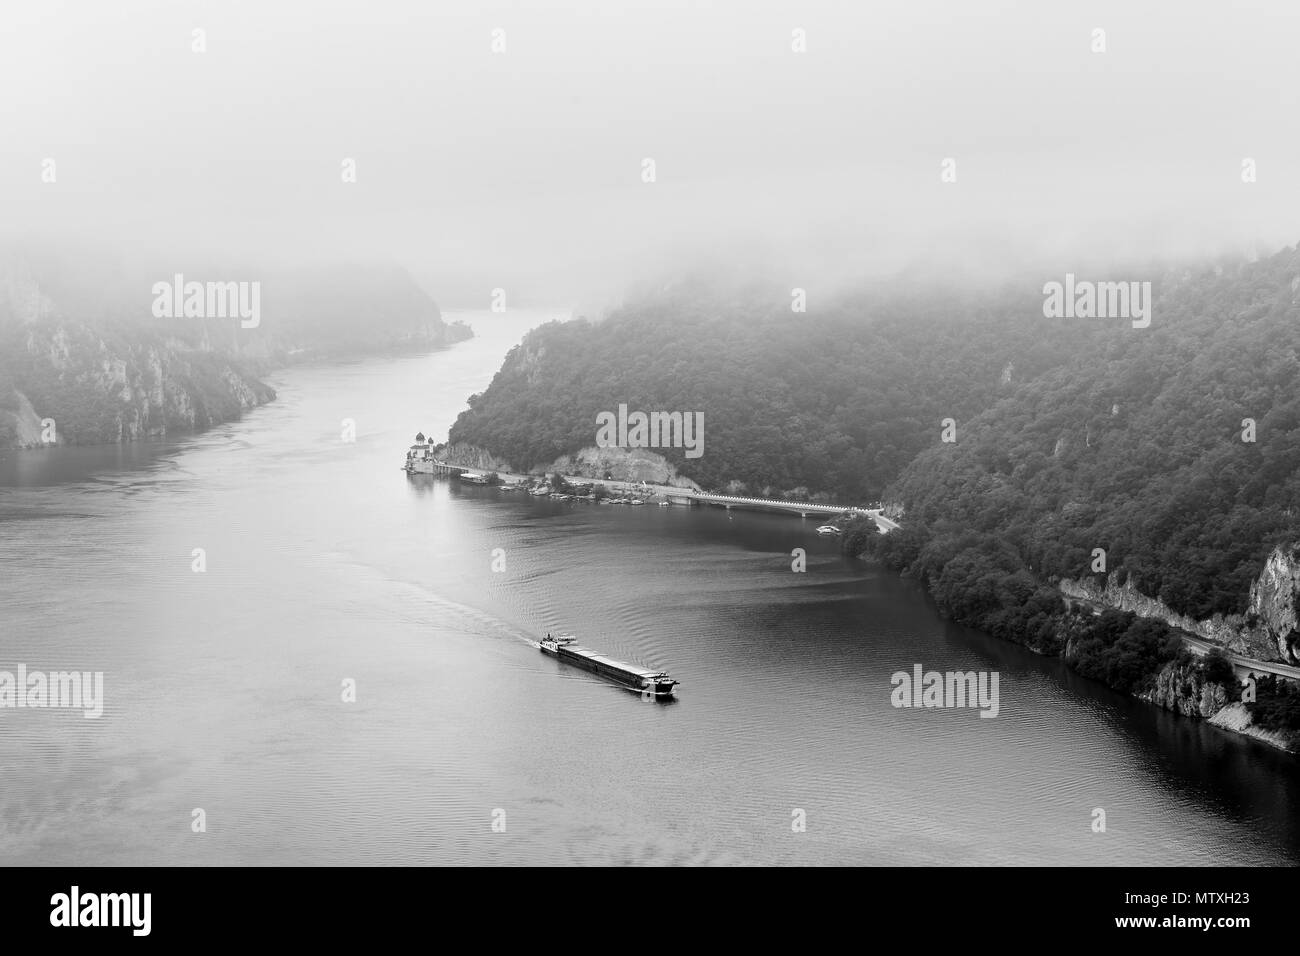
point(325, 563)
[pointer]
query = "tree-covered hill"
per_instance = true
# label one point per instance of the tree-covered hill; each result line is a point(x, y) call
point(1138, 448)
point(1071, 434)
point(835, 401)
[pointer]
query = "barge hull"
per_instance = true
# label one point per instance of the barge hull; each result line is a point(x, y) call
point(628, 675)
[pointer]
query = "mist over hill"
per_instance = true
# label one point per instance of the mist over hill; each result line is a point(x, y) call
point(1069, 434)
point(112, 348)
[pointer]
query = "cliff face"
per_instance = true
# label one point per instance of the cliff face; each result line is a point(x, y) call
point(81, 342)
point(470, 456)
point(20, 422)
point(1183, 688)
point(621, 464)
point(1273, 601)
point(1267, 631)
point(97, 389)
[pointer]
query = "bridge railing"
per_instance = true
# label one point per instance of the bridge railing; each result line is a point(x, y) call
point(784, 502)
point(672, 492)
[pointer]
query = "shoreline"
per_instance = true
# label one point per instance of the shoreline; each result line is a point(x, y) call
point(1232, 716)
point(300, 358)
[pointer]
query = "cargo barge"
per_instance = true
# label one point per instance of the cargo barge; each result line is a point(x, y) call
point(647, 682)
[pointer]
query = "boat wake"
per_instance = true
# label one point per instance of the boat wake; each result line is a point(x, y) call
point(416, 604)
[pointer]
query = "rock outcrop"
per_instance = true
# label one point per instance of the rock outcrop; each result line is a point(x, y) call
point(1236, 717)
point(125, 389)
point(1273, 600)
point(621, 464)
point(1183, 688)
point(1267, 631)
point(471, 456)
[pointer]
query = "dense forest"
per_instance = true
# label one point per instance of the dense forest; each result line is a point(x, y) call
point(1070, 435)
point(835, 401)
point(1138, 448)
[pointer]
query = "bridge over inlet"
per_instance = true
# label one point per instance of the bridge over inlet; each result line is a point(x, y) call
point(801, 508)
point(1242, 666)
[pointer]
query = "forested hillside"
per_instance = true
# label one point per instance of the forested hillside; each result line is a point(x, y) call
point(1138, 448)
point(834, 401)
point(1070, 434)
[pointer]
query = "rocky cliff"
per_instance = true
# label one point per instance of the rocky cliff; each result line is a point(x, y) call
point(1182, 687)
point(95, 389)
point(1273, 601)
point(1236, 717)
point(621, 464)
point(470, 456)
point(1267, 631)
point(82, 344)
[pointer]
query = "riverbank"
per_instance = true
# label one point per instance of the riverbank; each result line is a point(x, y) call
point(980, 582)
point(1141, 656)
point(179, 393)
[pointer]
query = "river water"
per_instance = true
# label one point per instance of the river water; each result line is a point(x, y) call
point(325, 563)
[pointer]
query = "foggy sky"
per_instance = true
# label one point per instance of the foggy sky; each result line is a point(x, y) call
point(523, 169)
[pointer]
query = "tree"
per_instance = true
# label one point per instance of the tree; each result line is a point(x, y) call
point(1218, 669)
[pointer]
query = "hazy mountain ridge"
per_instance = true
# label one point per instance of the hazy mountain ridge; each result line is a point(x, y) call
point(80, 343)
